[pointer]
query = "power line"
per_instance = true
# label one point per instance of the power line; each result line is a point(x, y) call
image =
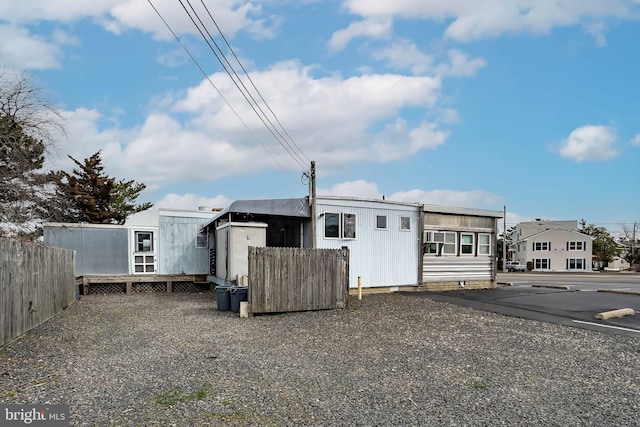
point(238, 82)
point(252, 83)
point(218, 91)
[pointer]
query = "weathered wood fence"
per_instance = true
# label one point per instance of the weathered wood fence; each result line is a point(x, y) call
point(296, 279)
point(36, 283)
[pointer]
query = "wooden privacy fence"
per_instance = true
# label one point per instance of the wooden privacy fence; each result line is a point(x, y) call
point(36, 283)
point(296, 279)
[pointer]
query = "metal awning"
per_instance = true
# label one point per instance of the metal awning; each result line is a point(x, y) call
point(298, 208)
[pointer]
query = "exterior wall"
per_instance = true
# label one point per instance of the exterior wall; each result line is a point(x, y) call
point(232, 251)
point(388, 257)
point(108, 249)
point(177, 249)
point(441, 271)
point(557, 252)
point(99, 249)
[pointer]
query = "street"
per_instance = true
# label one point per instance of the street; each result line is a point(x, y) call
point(576, 281)
point(564, 298)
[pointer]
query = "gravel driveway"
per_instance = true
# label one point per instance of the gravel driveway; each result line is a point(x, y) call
point(388, 360)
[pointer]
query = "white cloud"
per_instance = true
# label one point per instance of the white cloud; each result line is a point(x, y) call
point(194, 136)
point(597, 30)
point(403, 54)
point(477, 19)
point(372, 28)
point(360, 189)
point(636, 140)
point(472, 199)
point(191, 201)
point(23, 50)
point(369, 190)
point(117, 15)
point(461, 65)
point(589, 143)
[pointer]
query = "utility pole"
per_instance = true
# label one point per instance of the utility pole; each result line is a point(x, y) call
point(504, 240)
point(312, 201)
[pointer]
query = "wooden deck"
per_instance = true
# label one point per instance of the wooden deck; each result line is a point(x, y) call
point(130, 281)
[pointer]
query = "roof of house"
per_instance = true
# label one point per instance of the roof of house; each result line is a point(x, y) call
point(556, 229)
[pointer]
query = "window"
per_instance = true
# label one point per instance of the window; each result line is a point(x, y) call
point(202, 238)
point(576, 264)
point(484, 244)
point(541, 263)
point(144, 241)
point(332, 225)
point(334, 228)
point(576, 246)
point(349, 226)
point(381, 222)
point(466, 244)
point(405, 223)
point(541, 246)
point(440, 243)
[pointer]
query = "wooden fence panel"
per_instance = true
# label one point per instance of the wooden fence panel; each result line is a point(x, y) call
point(296, 279)
point(36, 283)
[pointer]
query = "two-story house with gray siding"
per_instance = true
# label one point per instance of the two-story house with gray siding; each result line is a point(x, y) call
point(552, 246)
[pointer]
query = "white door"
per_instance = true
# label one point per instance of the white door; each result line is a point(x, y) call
point(144, 252)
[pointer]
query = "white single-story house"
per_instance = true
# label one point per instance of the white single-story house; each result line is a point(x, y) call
point(391, 244)
point(158, 242)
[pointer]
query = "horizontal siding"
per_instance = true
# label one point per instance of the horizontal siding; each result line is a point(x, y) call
point(443, 268)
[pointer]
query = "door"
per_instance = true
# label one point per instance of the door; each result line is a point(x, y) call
point(144, 252)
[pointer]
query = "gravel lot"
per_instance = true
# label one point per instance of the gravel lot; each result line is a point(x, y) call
point(173, 359)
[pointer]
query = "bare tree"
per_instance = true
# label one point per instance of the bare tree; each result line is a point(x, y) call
point(630, 239)
point(28, 124)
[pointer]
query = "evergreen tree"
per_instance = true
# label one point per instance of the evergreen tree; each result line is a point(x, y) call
point(123, 199)
point(95, 197)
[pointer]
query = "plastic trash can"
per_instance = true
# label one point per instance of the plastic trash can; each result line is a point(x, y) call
point(238, 294)
point(223, 298)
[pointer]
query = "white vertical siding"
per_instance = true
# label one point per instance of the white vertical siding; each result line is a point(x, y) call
point(380, 257)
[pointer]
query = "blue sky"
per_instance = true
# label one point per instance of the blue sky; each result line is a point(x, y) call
point(527, 104)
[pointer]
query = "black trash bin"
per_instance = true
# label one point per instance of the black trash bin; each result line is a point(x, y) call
point(223, 297)
point(238, 294)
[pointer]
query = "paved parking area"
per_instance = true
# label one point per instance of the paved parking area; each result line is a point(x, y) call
point(569, 307)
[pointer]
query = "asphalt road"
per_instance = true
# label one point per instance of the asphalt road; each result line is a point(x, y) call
point(568, 299)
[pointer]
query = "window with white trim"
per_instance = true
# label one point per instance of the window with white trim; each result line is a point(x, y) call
point(381, 222)
point(541, 246)
point(576, 264)
point(405, 223)
point(339, 225)
point(466, 244)
point(440, 243)
point(576, 246)
point(541, 264)
point(348, 226)
point(484, 244)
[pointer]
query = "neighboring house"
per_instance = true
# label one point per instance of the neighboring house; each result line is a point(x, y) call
point(160, 241)
point(617, 264)
point(391, 244)
point(552, 246)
